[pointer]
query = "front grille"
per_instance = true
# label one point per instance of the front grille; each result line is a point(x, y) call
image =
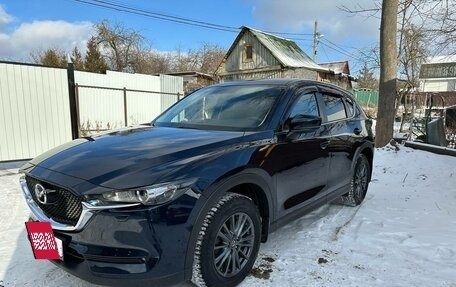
point(62, 206)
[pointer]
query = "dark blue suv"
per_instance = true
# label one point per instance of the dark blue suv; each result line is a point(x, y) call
point(191, 195)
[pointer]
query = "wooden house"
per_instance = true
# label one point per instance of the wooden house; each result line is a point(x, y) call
point(257, 55)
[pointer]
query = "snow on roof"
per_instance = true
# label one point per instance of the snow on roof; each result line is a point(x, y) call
point(441, 59)
point(285, 51)
point(336, 67)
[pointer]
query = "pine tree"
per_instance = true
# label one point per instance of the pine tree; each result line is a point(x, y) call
point(94, 61)
point(366, 79)
point(52, 57)
point(77, 59)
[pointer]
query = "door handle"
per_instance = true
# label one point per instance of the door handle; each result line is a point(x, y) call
point(324, 145)
point(357, 131)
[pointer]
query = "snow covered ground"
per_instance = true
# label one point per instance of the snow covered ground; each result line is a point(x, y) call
point(404, 234)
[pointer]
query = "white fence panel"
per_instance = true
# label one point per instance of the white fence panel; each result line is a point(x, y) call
point(100, 107)
point(105, 107)
point(173, 85)
point(33, 110)
point(142, 107)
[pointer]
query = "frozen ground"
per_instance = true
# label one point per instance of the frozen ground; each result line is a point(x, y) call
point(404, 234)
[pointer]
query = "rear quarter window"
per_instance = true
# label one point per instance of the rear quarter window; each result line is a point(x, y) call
point(350, 107)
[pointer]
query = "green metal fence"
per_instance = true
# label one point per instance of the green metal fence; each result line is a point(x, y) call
point(367, 97)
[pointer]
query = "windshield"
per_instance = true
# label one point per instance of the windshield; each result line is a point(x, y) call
point(244, 107)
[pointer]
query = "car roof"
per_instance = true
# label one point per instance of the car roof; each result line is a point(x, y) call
point(275, 82)
point(290, 83)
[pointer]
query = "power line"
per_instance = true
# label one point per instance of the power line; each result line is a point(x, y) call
point(176, 19)
point(116, 6)
point(126, 9)
point(291, 34)
point(335, 47)
point(341, 52)
point(338, 46)
point(301, 39)
point(324, 51)
point(164, 15)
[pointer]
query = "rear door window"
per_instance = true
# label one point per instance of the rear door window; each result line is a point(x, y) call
point(334, 108)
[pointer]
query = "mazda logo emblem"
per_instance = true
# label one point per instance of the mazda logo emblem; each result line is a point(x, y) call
point(41, 194)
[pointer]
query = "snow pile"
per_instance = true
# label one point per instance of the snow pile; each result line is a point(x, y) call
point(404, 234)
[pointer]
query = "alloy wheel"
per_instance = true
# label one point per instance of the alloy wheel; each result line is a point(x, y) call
point(361, 180)
point(234, 244)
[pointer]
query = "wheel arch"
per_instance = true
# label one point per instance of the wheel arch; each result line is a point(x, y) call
point(253, 183)
point(367, 149)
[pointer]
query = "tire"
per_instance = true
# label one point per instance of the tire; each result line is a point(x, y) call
point(221, 259)
point(359, 182)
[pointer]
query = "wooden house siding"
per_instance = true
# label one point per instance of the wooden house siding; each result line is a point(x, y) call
point(262, 57)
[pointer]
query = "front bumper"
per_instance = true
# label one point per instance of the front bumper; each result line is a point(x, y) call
point(130, 248)
point(134, 245)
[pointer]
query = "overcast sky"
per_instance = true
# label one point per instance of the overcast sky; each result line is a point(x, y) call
point(30, 25)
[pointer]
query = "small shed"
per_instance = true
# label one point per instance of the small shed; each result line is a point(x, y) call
point(339, 74)
point(194, 80)
point(256, 54)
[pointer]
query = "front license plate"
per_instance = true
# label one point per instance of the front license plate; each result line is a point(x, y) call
point(43, 242)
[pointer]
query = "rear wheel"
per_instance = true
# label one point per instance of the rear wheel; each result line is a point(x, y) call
point(228, 242)
point(359, 182)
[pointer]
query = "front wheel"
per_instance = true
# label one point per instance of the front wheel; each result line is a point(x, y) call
point(228, 242)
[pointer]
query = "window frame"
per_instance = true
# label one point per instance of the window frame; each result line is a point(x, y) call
point(244, 53)
point(323, 105)
point(347, 101)
point(294, 97)
point(298, 96)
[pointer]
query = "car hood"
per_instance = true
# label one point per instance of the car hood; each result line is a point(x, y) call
point(130, 157)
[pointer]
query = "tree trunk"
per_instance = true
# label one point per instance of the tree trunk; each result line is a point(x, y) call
point(388, 71)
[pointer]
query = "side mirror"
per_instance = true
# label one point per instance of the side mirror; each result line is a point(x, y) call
point(304, 123)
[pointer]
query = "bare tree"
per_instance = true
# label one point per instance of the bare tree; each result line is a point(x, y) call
point(153, 62)
point(413, 53)
point(439, 23)
point(388, 72)
point(211, 57)
point(121, 46)
point(204, 59)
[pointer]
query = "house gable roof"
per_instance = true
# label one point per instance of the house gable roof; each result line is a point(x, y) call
point(337, 67)
point(287, 52)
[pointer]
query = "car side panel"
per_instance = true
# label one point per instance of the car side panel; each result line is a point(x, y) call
point(342, 148)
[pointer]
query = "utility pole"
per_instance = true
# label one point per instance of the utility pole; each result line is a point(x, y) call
point(316, 38)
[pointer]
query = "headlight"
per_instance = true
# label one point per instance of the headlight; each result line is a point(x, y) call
point(149, 195)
